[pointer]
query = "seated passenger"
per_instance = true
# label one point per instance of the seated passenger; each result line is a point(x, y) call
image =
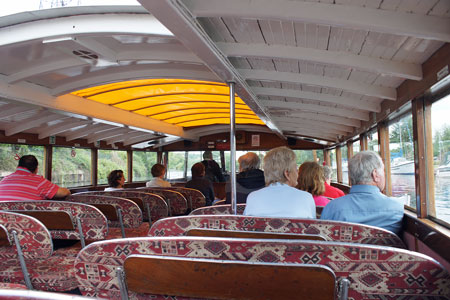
point(311, 180)
point(116, 180)
point(249, 179)
point(280, 198)
point(212, 169)
point(201, 183)
point(158, 172)
point(330, 191)
point(25, 184)
point(365, 203)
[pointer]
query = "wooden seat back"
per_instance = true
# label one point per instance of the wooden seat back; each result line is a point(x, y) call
point(206, 278)
point(35, 240)
point(194, 197)
point(374, 272)
point(94, 224)
point(110, 205)
point(219, 189)
point(157, 205)
point(52, 220)
point(252, 234)
point(330, 230)
point(177, 203)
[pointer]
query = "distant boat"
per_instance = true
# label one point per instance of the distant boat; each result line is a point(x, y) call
point(402, 166)
point(443, 171)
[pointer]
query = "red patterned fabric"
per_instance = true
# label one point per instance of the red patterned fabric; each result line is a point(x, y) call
point(157, 204)
point(131, 213)
point(12, 286)
point(194, 197)
point(374, 272)
point(218, 210)
point(24, 185)
point(175, 200)
point(93, 222)
point(330, 230)
point(47, 270)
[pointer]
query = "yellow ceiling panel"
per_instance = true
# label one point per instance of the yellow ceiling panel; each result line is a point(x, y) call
point(176, 101)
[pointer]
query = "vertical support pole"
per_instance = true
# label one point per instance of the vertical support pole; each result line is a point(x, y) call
point(186, 157)
point(314, 153)
point(47, 163)
point(159, 157)
point(147, 206)
point(23, 265)
point(383, 140)
point(122, 227)
point(232, 150)
point(130, 166)
point(122, 283)
point(349, 155)
point(363, 142)
point(80, 231)
point(326, 157)
point(339, 164)
point(94, 166)
point(423, 155)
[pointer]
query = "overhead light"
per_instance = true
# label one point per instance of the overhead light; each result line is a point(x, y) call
point(56, 40)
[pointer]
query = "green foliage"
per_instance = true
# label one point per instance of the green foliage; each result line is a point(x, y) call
point(8, 163)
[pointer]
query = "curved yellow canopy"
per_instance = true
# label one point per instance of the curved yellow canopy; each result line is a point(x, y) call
point(182, 102)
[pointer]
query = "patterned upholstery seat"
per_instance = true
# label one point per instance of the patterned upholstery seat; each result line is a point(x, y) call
point(218, 210)
point(194, 197)
point(330, 230)
point(157, 204)
point(47, 271)
point(374, 272)
point(176, 201)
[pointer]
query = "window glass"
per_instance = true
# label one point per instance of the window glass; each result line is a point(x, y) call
point(71, 167)
point(175, 168)
point(109, 160)
point(142, 164)
point(344, 164)
point(260, 154)
point(401, 148)
point(193, 158)
point(8, 161)
point(333, 165)
point(356, 147)
point(372, 138)
point(440, 124)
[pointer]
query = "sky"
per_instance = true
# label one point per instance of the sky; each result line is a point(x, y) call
point(440, 112)
point(12, 7)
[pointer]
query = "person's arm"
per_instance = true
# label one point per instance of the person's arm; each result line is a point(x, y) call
point(61, 193)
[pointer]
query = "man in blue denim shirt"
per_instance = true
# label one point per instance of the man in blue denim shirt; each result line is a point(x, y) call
point(365, 203)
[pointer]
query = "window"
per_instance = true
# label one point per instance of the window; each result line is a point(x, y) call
point(356, 147)
point(193, 158)
point(372, 139)
point(109, 160)
point(344, 164)
point(8, 161)
point(401, 148)
point(71, 167)
point(440, 124)
point(175, 168)
point(333, 165)
point(142, 164)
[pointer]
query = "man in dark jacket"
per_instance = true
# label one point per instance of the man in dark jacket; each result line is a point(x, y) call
point(199, 182)
point(249, 179)
point(212, 169)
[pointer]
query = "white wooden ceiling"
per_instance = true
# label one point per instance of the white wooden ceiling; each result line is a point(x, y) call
point(313, 69)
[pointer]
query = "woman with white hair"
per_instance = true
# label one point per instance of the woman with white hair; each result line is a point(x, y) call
point(280, 198)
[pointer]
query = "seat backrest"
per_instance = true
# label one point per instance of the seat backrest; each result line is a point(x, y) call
point(330, 230)
point(94, 225)
point(131, 213)
point(374, 272)
point(218, 210)
point(177, 203)
point(35, 240)
point(252, 234)
point(207, 278)
point(157, 204)
point(194, 197)
point(241, 193)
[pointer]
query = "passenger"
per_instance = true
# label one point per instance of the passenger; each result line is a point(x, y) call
point(158, 172)
point(330, 191)
point(212, 169)
point(116, 180)
point(249, 179)
point(312, 180)
point(201, 183)
point(25, 184)
point(280, 198)
point(365, 203)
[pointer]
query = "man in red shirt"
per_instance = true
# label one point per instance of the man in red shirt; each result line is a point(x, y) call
point(330, 191)
point(25, 184)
